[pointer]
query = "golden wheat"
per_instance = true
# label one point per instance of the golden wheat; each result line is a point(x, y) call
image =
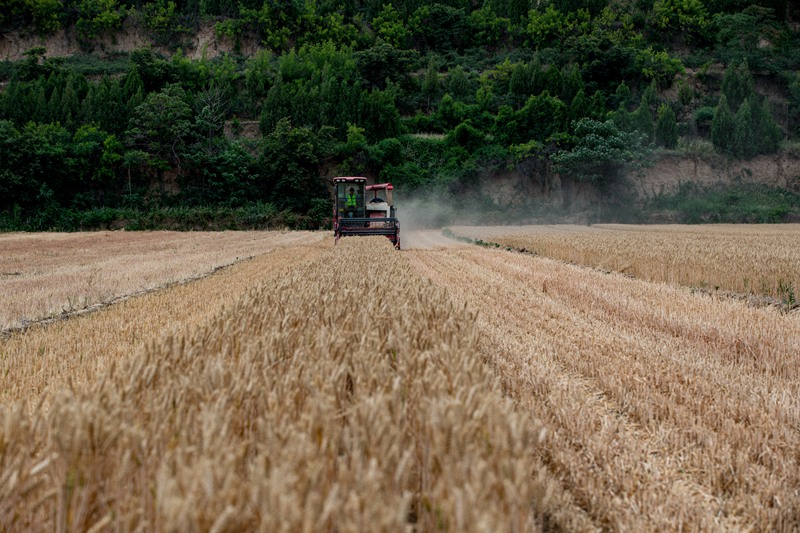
point(666, 410)
point(47, 274)
point(346, 389)
point(754, 259)
point(345, 395)
point(39, 362)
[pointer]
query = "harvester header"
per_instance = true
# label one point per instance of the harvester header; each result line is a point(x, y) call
point(361, 209)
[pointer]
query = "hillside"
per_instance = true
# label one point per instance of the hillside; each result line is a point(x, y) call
point(144, 114)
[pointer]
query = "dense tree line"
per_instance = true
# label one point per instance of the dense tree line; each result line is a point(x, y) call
point(430, 96)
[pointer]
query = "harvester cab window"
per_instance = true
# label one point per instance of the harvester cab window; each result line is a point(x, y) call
point(350, 199)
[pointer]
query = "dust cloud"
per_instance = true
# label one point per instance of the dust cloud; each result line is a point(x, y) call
point(423, 217)
point(422, 221)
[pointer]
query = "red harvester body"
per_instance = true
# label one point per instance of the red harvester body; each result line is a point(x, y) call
point(361, 209)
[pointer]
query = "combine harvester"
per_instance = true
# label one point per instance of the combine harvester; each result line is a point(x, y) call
point(361, 209)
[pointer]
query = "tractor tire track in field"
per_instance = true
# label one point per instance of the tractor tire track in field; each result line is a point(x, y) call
point(665, 410)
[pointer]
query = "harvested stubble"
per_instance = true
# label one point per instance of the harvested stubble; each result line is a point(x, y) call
point(666, 410)
point(47, 274)
point(746, 259)
point(346, 396)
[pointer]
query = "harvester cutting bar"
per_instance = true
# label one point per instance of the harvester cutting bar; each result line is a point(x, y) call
point(368, 226)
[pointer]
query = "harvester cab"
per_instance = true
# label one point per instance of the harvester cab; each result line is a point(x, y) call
point(361, 209)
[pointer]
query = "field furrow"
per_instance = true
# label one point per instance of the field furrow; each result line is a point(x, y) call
point(656, 399)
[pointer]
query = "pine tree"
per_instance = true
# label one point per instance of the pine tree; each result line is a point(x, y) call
point(650, 99)
point(518, 9)
point(54, 104)
point(430, 85)
point(578, 109)
point(457, 83)
point(744, 136)
point(737, 85)
point(598, 106)
point(133, 83)
point(554, 81)
point(572, 82)
point(538, 81)
point(622, 96)
point(767, 133)
point(723, 128)
point(39, 102)
point(642, 121)
point(666, 127)
point(519, 86)
point(70, 105)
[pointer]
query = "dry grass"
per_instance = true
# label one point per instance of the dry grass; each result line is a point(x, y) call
point(47, 274)
point(754, 259)
point(666, 410)
point(325, 399)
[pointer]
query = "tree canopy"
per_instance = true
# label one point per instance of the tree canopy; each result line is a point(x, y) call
point(432, 95)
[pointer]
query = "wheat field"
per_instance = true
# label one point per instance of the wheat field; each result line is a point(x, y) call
point(52, 274)
point(300, 406)
point(761, 260)
point(450, 387)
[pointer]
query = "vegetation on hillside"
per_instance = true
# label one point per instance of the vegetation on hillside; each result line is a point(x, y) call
point(430, 96)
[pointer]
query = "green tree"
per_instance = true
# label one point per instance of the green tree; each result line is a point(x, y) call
point(666, 127)
point(737, 84)
point(579, 108)
point(458, 84)
point(743, 134)
point(17, 187)
point(380, 115)
point(571, 82)
point(210, 109)
point(602, 153)
point(228, 177)
point(431, 85)
point(554, 81)
point(689, 17)
point(520, 85)
point(768, 133)
point(98, 16)
point(487, 28)
point(258, 74)
point(749, 35)
point(161, 126)
point(46, 14)
point(92, 157)
point(622, 96)
point(390, 27)
point(641, 120)
point(275, 21)
point(439, 27)
point(70, 102)
point(46, 148)
point(685, 94)
point(383, 62)
point(723, 128)
point(290, 159)
point(162, 18)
